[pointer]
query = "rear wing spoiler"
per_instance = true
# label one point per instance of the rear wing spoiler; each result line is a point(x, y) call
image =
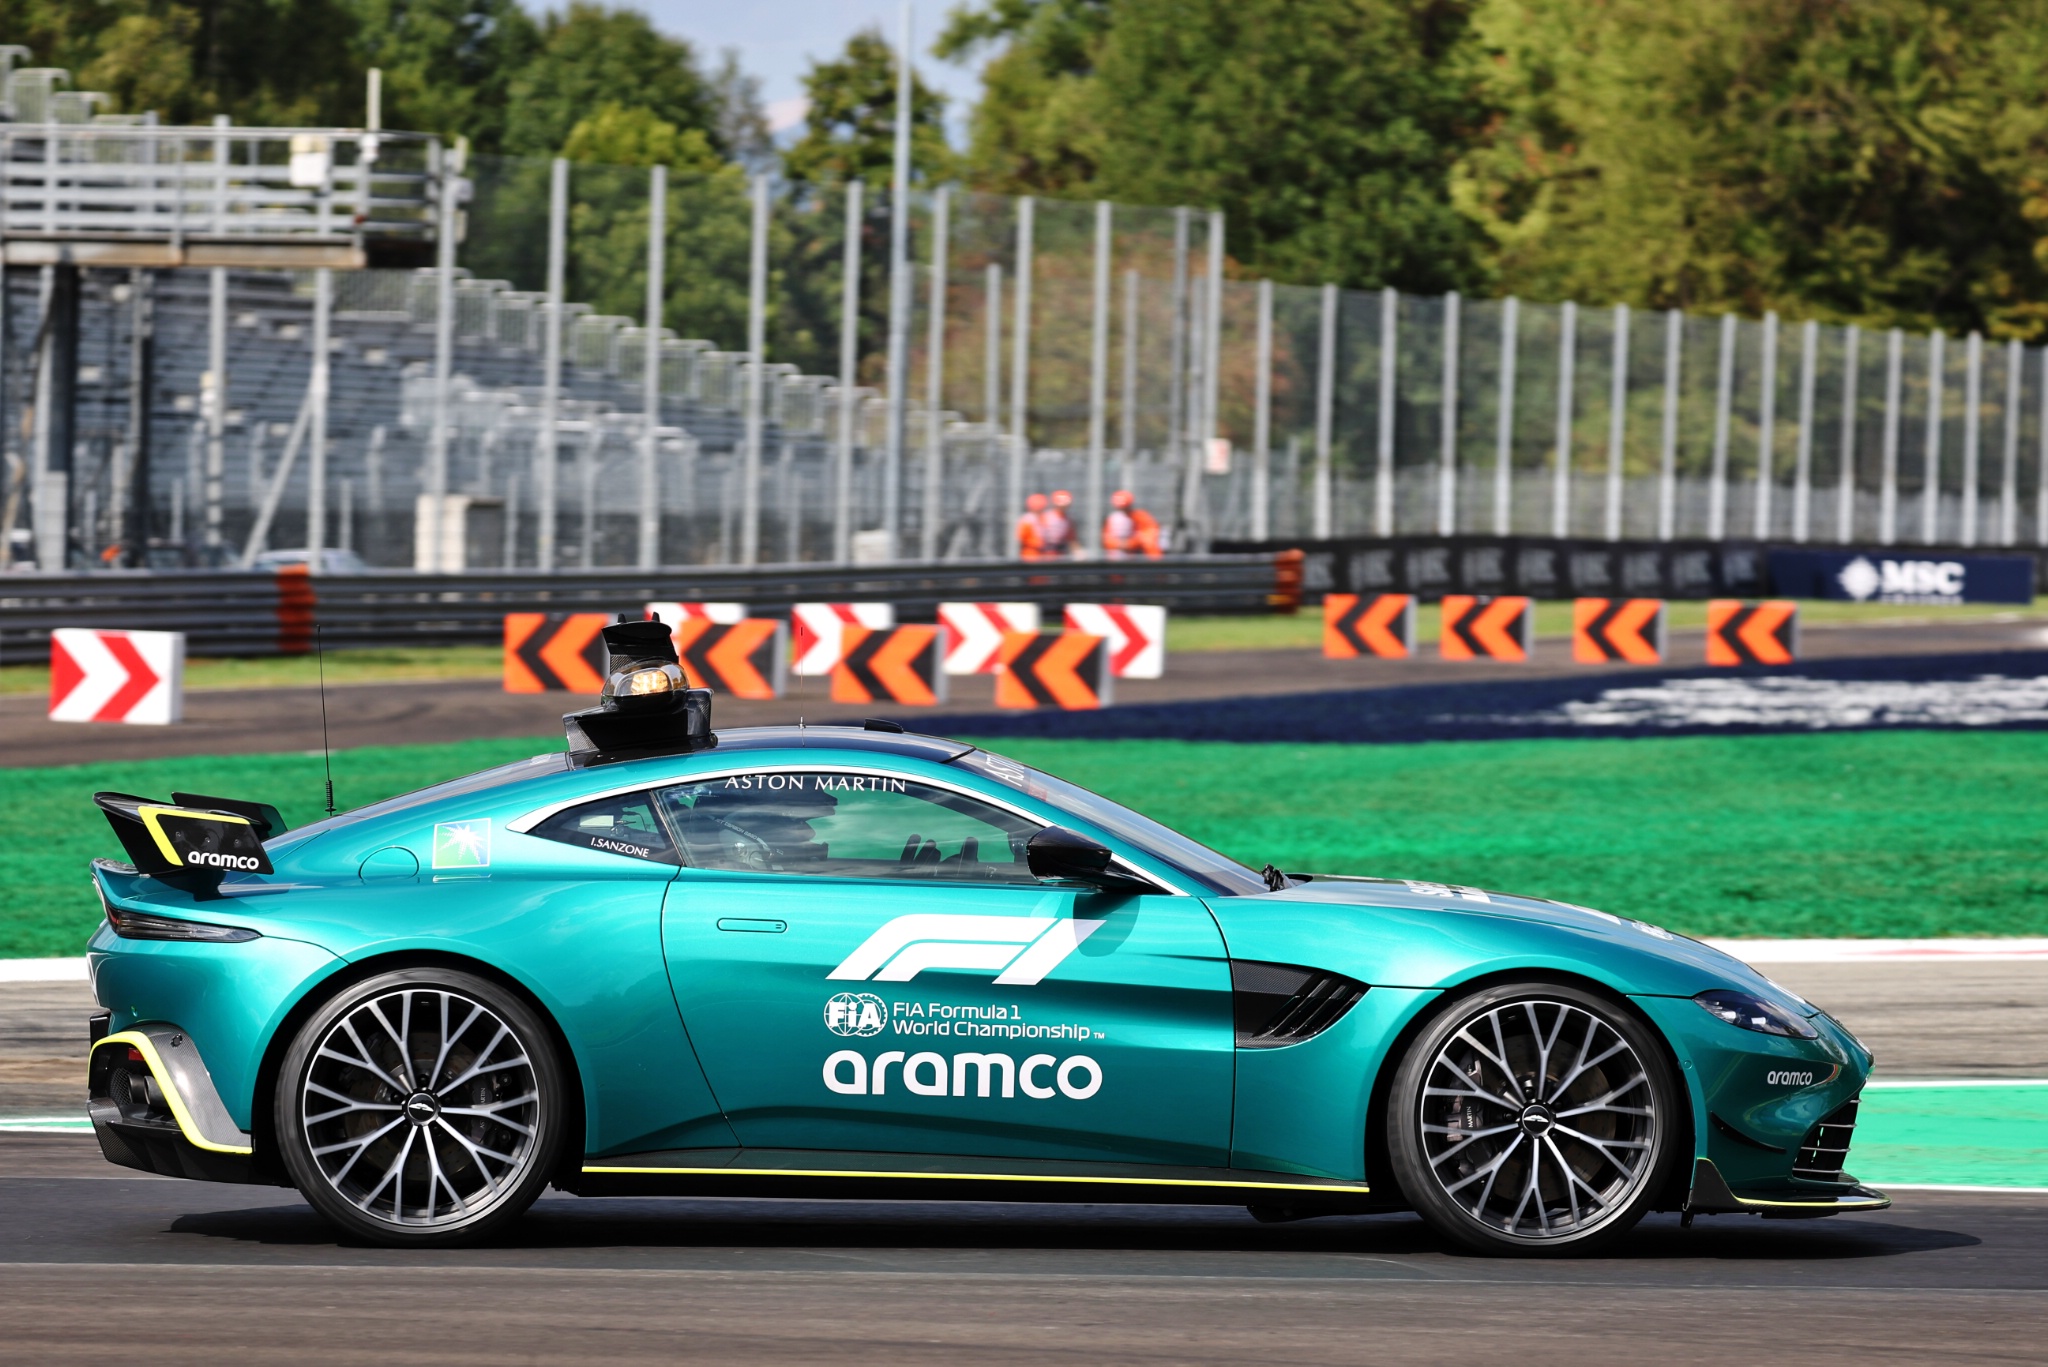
point(191, 837)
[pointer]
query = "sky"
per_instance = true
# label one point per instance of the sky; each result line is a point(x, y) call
point(778, 38)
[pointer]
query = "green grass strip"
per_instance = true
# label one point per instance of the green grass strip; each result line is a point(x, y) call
point(1903, 833)
point(1952, 1136)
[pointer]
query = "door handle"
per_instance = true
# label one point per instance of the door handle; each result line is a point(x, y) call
point(754, 925)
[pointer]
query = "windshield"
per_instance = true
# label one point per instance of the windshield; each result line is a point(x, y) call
point(1214, 871)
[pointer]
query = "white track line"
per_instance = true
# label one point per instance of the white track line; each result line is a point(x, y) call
point(43, 970)
point(2003, 950)
point(1906, 1084)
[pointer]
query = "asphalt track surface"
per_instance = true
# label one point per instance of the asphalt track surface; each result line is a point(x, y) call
point(97, 1260)
point(248, 721)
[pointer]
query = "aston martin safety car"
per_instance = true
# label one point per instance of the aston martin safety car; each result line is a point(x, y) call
point(858, 962)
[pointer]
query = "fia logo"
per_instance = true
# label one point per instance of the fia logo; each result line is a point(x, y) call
point(856, 1013)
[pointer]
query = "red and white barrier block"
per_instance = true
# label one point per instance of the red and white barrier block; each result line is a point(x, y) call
point(673, 615)
point(1136, 636)
point(815, 631)
point(978, 632)
point(126, 676)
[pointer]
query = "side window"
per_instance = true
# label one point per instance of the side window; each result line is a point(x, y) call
point(625, 825)
point(847, 826)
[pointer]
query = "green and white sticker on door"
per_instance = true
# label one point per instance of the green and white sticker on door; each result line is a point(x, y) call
point(462, 845)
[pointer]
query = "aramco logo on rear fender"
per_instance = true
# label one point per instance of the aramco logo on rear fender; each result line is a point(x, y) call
point(1020, 950)
point(1077, 1077)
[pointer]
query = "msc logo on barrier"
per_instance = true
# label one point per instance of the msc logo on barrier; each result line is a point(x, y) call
point(1904, 581)
point(1020, 950)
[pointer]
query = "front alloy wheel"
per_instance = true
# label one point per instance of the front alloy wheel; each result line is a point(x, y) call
point(1531, 1118)
point(420, 1107)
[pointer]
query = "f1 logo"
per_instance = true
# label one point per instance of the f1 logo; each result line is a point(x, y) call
point(1020, 950)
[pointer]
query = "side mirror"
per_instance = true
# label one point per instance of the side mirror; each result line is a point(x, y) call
point(1056, 852)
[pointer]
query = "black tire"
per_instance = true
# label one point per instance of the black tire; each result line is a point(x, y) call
point(1603, 1127)
point(445, 1141)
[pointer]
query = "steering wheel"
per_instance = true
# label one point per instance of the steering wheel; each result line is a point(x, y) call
point(741, 847)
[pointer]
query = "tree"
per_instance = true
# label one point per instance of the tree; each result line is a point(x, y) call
point(1325, 129)
point(590, 56)
point(850, 128)
point(448, 64)
point(1873, 162)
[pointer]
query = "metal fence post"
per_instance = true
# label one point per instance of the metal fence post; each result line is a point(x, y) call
point(1383, 479)
point(1667, 437)
point(849, 364)
point(935, 378)
point(992, 348)
point(1504, 420)
point(1177, 347)
point(320, 382)
point(1212, 367)
point(1127, 410)
point(1617, 422)
point(1098, 379)
point(548, 438)
point(1561, 473)
point(1020, 367)
point(1888, 474)
point(1802, 464)
point(217, 414)
point(650, 382)
point(1767, 426)
point(1973, 425)
point(1930, 487)
point(1724, 406)
point(1262, 412)
point(900, 303)
point(1326, 384)
point(444, 366)
point(2041, 462)
point(1845, 489)
point(757, 367)
point(1447, 468)
point(2009, 480)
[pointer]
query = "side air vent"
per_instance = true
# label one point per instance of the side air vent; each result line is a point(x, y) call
point(1279, 1004)
point(1825, 1150)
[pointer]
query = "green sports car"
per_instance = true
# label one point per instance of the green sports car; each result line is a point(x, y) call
point(840, 962)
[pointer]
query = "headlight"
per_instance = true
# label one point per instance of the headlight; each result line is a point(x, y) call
point(135, 925)
point(1748, 1012)
point(648, 684)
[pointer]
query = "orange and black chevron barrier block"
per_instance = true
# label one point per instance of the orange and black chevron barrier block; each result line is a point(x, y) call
point(551, 652)
point(1627, 630)
point(894, 664)
point(1488, 628)
point(1741, 633)
point(1381, 624)
point(1066, 669)
point(743, 658)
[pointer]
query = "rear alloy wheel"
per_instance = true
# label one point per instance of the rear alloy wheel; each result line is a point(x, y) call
point(1533, 1118)
point(421, 1107)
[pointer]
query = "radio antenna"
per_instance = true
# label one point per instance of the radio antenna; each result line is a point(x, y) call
point(326, 750)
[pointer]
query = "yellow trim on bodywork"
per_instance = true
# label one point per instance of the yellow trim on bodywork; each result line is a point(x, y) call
point(1841, 1203)
point(982, 1177)
point(149, 815)
point(146, 1046)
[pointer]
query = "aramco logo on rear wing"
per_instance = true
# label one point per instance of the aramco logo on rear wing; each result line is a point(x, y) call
point(1020, 950)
